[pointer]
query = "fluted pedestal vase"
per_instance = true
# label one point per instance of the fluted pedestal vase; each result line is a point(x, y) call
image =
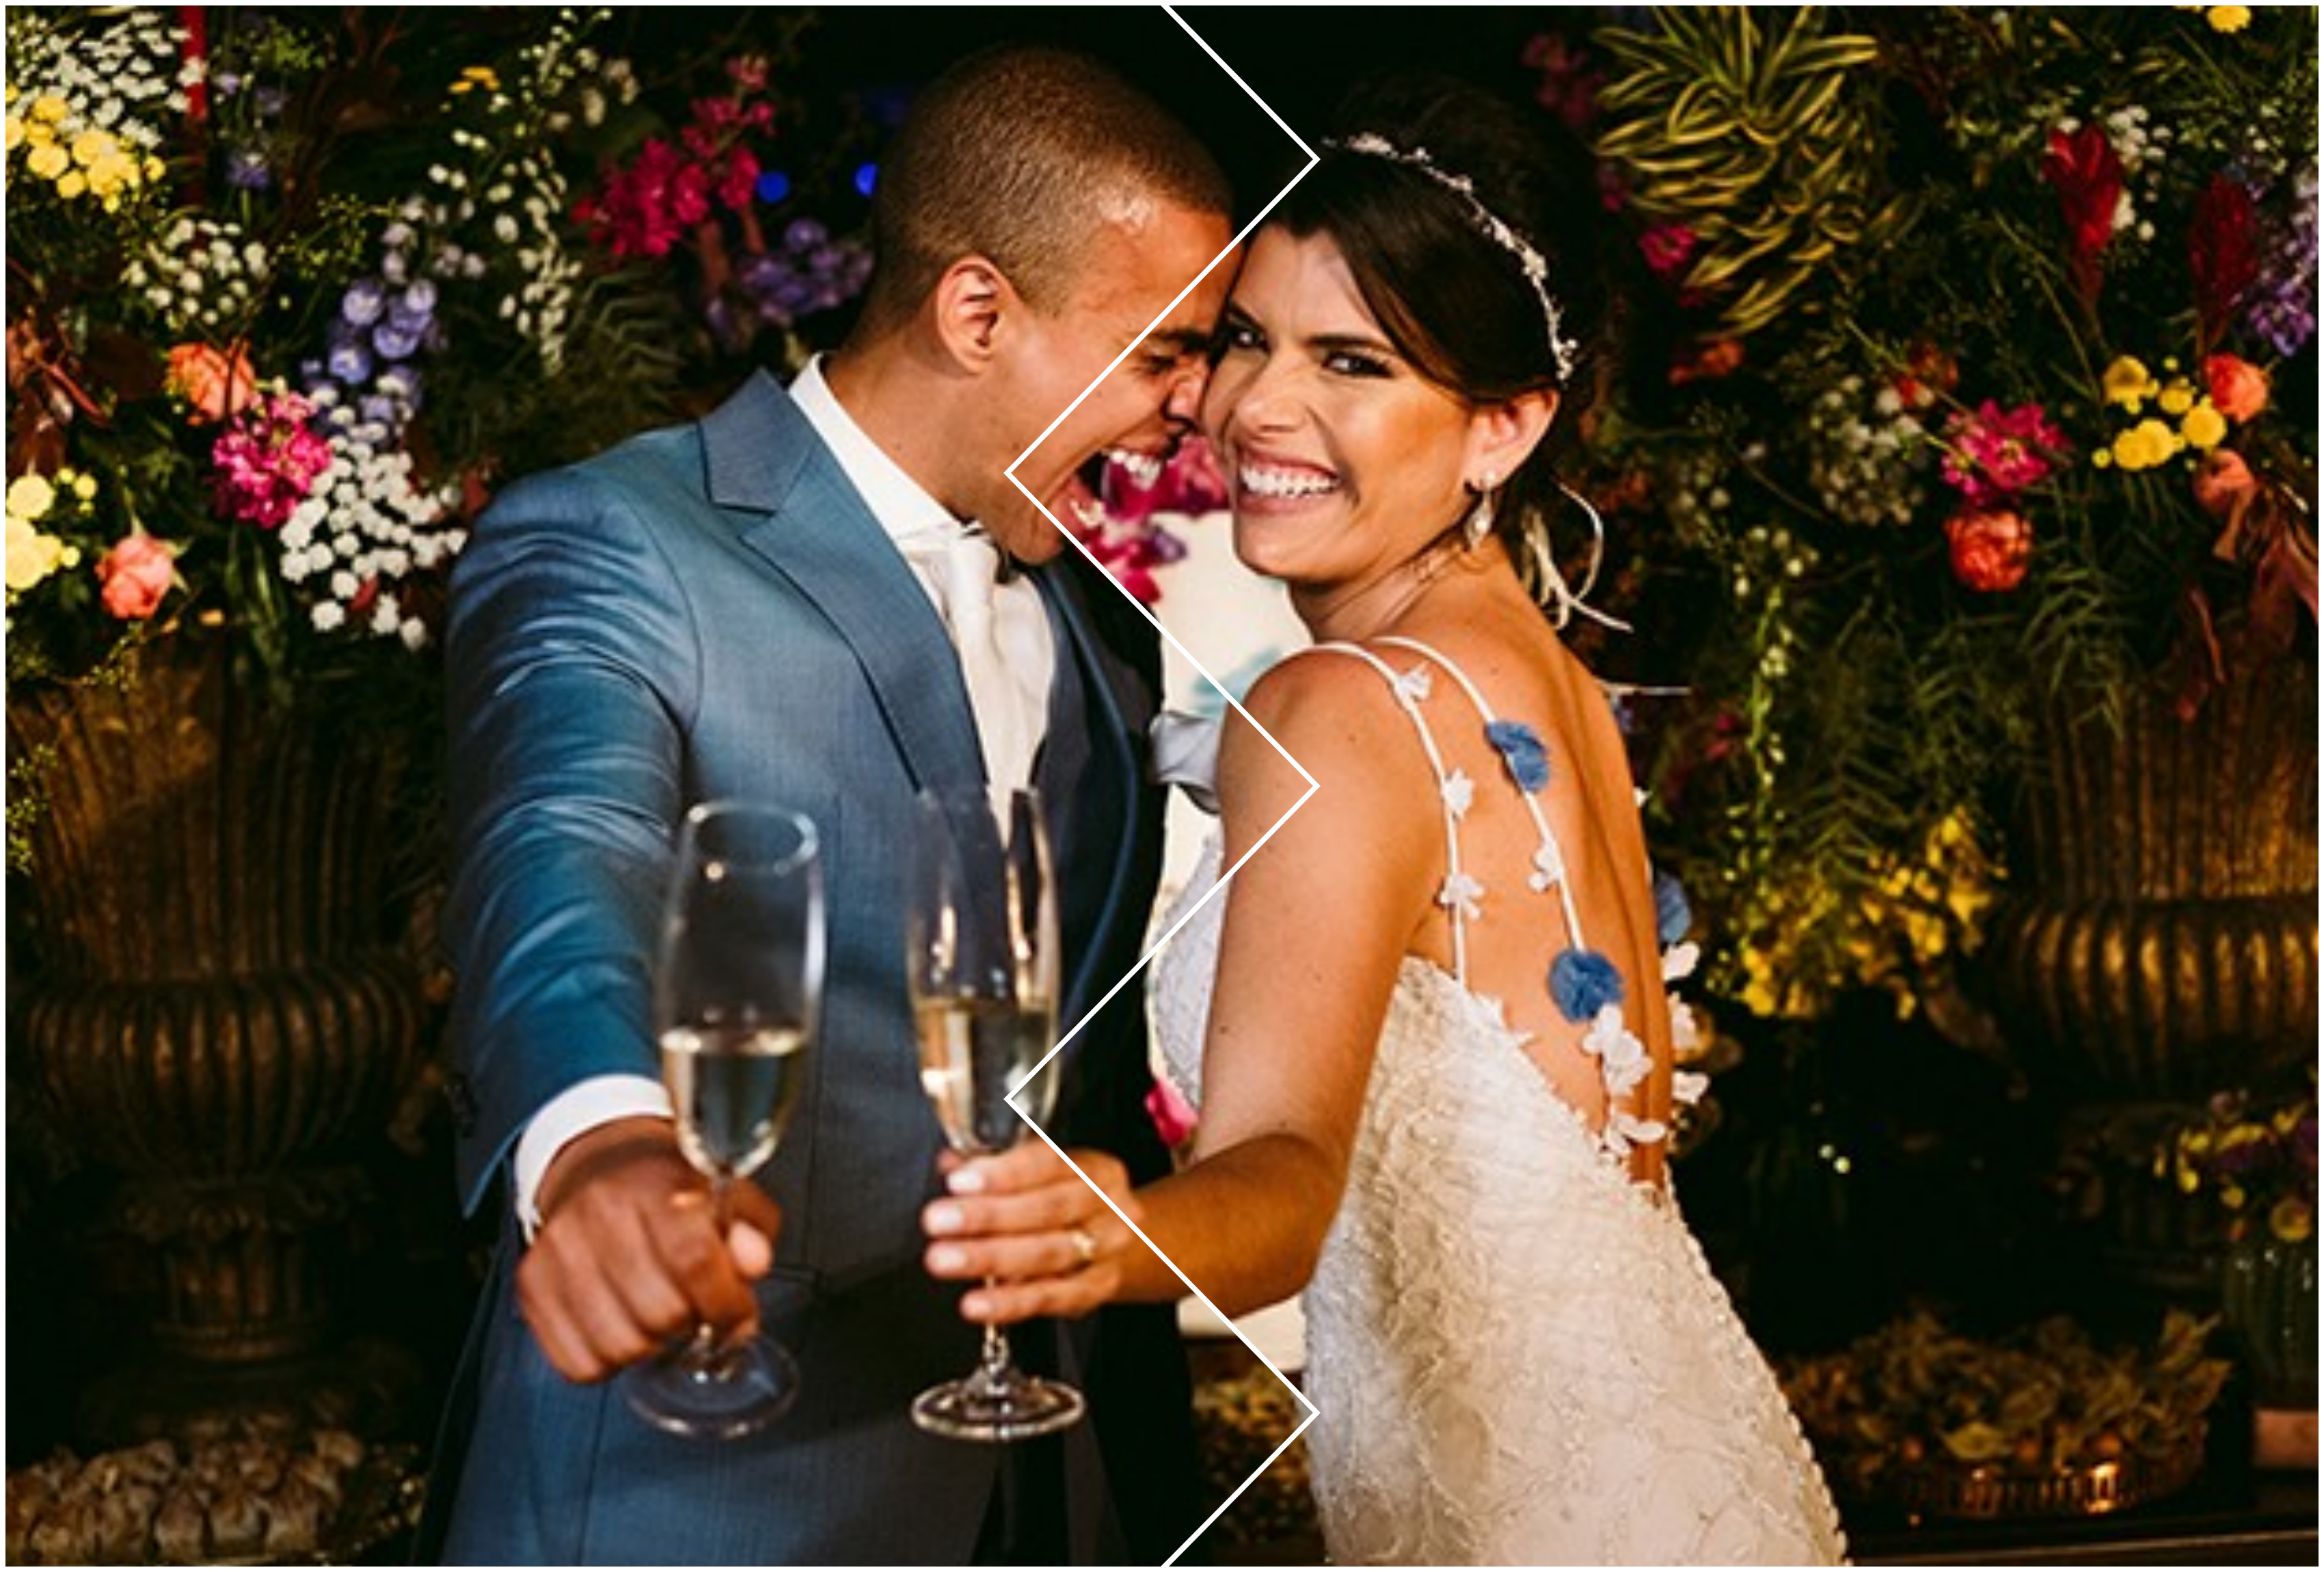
point(2158, 943)
point(221, 1002)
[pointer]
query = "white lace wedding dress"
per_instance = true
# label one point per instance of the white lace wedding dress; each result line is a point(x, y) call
point(1517, 1353)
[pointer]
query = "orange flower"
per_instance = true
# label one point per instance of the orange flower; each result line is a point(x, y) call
point(216, 383)
point(2238, 388)
point(137, 574)
point(2221, 481)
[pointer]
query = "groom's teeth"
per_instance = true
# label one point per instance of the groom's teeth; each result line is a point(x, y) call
point(1145, 469)
point(1264, 482)
point(1091, 514)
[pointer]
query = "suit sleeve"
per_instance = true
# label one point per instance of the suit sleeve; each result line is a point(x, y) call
point(573, 672)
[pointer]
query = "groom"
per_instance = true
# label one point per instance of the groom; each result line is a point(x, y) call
point(782, 602)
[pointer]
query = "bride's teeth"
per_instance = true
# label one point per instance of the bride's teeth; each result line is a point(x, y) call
point(1279, 483)
point(1145, 469)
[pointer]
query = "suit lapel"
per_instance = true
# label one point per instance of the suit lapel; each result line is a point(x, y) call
point(1102, 812)
point(763, 457)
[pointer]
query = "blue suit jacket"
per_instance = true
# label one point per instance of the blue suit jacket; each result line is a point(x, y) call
point(708, 611)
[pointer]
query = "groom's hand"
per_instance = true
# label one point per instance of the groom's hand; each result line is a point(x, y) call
point(627, 1257)
point(1048, 1244)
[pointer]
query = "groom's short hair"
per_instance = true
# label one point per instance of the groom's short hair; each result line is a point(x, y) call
point(1017, 153)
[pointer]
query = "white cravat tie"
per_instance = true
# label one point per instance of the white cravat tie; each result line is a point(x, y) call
point(1007, 721)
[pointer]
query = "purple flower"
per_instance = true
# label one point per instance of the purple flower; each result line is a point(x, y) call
point(1582, 982)
point(363, 302)
point(394, 341)
point(804, 234)
point(2282, 307)
point(350, 361)
point(1521, 750)
point(246, 170)
point(418, 301)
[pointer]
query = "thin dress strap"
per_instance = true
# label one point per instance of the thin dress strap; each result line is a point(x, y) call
point(1585, 986)
point(1549, 858)
point(1460, 894)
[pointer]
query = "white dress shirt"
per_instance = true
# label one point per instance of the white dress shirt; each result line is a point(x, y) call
point(1009, 689)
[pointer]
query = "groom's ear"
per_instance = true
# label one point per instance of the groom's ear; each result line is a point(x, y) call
point(967, 308)
point(1502, 437)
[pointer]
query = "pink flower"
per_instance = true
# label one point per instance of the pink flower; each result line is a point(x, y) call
point(1993, 456)
point(1991, 550)
point(2222, 479)
point(2237, 387)
point(137, 574)
point(1174, 1116)
point(644, 209)
point(268, 461)
point(216, 383)
point(1668, 248)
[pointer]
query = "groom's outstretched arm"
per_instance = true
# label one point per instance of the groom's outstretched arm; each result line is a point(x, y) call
point(571, 658)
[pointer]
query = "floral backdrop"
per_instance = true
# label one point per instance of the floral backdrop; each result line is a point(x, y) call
point(1975, 387)
point(292, 293)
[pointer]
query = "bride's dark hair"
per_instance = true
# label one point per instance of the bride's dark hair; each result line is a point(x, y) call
point(1454, 301)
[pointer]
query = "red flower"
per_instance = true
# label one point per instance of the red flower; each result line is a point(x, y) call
point(2088, 174)
point(2237, 387)
point(2221, 253)
point(1991, 550)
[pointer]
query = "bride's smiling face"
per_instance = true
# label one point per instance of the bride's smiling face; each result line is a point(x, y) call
point(1343, 462)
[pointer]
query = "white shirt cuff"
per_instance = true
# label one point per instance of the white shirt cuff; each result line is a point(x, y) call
point(572, 1113)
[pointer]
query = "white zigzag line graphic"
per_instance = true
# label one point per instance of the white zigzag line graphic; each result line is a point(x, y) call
point(1147, 960)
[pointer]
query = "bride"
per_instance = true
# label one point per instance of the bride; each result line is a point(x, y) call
point(1427, 1020)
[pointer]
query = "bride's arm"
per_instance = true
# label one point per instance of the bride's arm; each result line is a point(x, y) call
point(1316, 926)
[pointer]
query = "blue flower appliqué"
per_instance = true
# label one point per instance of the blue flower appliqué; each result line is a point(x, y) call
point(1582, 982)
point(1672, 916)
point(1522, 750)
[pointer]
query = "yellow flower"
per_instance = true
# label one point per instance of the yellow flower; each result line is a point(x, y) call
point(2291, 1219)
point(478, 77)
point(93, 147)
point(15, 129)
point(32, 555)
point(30, 496)
point(2177, 398)
point(83, 486)
point(49, 108)
point(2204, 426)
point(72, 184)
point(48, 160)
point(2228, 18)
point(2127, 382)
point(2146, 444)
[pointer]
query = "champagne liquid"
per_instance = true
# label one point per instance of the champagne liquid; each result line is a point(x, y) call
point(973, 1052)
point(734, 1087)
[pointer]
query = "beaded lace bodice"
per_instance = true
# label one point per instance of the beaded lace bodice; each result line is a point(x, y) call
point(1518, 1353)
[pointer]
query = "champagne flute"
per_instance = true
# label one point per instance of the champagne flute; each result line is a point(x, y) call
point(981, 959)
point(738, 982)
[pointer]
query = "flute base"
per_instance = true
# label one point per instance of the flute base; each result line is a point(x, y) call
point(712, 1394)
point(1015, 1408)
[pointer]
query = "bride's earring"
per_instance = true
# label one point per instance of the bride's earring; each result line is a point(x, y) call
point(1479, 524)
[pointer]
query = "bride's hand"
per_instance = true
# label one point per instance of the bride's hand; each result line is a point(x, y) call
point(1029, 1223)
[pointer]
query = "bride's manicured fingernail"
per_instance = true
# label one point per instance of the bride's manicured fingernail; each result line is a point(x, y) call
point(943, 1217)
point(946, 1258)
point(966, 1182)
